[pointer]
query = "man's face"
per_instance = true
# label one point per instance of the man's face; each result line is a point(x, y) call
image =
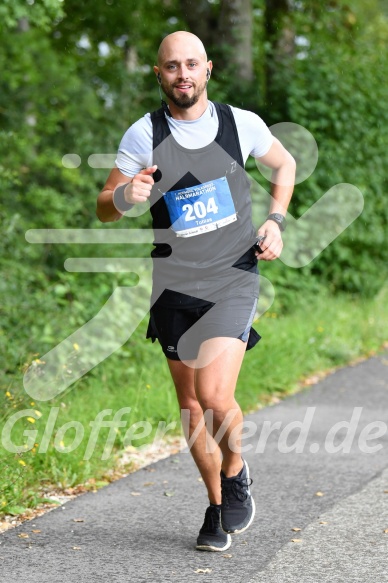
point(183, 69)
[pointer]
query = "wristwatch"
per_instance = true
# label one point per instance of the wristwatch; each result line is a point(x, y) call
point(279, 220)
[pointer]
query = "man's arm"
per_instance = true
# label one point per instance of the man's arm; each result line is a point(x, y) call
point(282, 185)
point(137, 189)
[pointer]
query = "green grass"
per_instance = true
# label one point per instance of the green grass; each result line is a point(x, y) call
point(321, 333)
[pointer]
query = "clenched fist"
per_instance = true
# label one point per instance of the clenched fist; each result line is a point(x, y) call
point(139, 189)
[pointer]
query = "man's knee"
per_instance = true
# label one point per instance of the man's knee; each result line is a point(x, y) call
point(187, 403)
point(217, 402)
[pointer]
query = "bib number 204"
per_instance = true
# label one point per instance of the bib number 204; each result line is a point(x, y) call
point(199, 209)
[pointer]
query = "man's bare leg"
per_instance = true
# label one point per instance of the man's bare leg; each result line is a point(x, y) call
point(215, 385)
point(211, 389)
point(205, 453)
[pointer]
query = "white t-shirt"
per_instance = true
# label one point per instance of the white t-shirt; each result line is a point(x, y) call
point(135, 150)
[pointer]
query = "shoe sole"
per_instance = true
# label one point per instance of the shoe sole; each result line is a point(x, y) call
point(252, 515)
point(215, 549)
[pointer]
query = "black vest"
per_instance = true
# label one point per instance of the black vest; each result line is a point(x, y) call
point(185, 264)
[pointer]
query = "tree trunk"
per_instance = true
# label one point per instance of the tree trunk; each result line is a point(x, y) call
point(279, 36)
point(226, 32)
point(235, 31)
point(201, 19)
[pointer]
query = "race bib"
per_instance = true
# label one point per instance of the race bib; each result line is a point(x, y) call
point(200, 209)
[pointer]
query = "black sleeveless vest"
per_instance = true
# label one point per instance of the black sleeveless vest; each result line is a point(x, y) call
point(186, 264)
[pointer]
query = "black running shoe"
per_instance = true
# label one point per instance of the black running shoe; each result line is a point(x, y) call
point(238, 506)
point(211, 536)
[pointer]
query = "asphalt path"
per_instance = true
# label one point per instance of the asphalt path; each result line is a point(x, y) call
point(322, 469)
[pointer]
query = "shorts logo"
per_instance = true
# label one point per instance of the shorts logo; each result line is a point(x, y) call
point(171, 348)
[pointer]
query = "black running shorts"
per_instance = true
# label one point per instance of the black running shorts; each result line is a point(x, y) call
point(181, 331)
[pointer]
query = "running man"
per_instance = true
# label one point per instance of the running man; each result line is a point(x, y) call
point(187, 159)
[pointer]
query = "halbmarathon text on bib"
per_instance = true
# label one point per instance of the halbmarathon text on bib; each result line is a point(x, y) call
point(200, 209)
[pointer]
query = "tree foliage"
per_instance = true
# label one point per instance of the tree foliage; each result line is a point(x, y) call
point(338, 91)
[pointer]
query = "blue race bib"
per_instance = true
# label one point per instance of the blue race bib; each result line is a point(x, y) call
point(200, 209)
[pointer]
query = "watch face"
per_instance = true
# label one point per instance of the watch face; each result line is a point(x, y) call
point(278, 217)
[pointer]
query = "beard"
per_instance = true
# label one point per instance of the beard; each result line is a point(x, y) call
point(183, 101)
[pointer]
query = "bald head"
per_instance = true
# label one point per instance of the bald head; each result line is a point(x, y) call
point(183, 72)
point(176, 41)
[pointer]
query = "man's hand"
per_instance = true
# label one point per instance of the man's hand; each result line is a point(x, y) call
point(272, 245)
point(140, 186)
